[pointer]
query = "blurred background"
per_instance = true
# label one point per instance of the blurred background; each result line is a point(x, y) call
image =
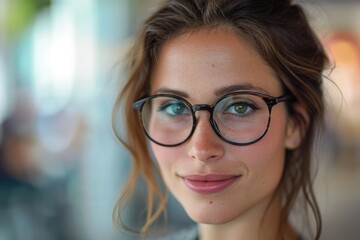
point(61, 168)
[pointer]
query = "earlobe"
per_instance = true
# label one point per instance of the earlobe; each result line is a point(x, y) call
point(296, 127)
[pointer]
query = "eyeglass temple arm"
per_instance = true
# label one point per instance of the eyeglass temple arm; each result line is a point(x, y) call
point(138, 104)
point(285, 97)
point(282, 98)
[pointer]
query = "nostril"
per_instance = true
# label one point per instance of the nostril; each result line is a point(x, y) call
point(203, 157)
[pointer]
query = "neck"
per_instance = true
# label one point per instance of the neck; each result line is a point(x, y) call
point(261, 222)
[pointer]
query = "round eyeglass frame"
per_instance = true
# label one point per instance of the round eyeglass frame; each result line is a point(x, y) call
point(269, 100)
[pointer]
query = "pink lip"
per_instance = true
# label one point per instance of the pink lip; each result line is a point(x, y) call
point(212, 183)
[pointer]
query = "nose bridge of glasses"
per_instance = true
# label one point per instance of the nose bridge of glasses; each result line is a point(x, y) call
point(208, 108)
point(198, 107)
point(203, 107)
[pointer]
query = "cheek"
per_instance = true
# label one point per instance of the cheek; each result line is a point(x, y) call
point(166, 157)
point(265, 159)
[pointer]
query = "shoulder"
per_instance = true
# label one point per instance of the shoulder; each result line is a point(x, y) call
point(190, 233)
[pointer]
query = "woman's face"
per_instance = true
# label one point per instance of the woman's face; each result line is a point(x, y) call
point(214, 181)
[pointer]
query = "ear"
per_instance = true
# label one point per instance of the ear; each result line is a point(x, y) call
point(296, 127)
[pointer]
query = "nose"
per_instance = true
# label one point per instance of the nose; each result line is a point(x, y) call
point(204, 144)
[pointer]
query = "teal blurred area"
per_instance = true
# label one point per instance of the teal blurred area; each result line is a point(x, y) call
point(62, 62)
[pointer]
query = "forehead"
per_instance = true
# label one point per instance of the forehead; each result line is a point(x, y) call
point(202, 61)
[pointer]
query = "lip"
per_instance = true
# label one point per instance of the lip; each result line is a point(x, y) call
point(210, 183)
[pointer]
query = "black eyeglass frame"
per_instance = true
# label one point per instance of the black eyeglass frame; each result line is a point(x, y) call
point(269, 100)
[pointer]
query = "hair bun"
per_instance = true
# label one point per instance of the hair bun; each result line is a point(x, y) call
point(282, 2)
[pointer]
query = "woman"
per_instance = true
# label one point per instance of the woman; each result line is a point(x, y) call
point(229, 95)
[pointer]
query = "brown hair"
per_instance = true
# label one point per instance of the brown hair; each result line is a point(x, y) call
point(280, 32)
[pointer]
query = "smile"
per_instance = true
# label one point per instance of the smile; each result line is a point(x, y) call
point(207, 184)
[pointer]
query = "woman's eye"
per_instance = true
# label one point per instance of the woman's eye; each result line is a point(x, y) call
point(174, 109)
point(240, 108)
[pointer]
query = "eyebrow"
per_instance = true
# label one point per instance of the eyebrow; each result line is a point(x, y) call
point(172, 91)
point(217, 92)
point(241, 87)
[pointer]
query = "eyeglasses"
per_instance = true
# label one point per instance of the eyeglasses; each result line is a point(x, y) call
point(239, 118)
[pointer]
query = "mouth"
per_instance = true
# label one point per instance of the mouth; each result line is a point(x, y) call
point(207, 184)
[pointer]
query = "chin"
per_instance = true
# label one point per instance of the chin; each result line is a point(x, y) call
point(213, 214)
point(211, 220)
